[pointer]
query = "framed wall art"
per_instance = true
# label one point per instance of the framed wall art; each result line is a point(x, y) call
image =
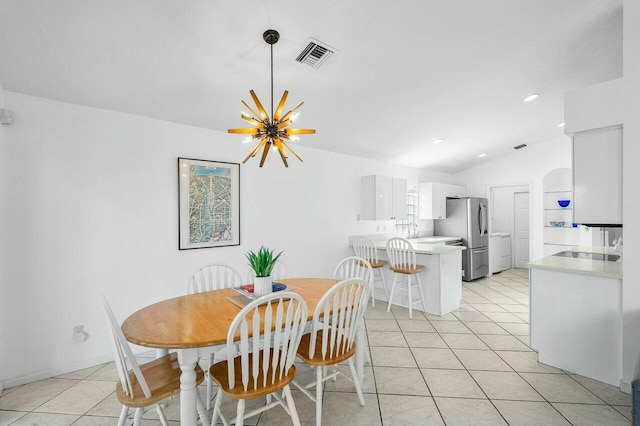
point(209, 204)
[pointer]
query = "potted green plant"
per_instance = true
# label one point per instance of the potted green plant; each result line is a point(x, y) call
point(262, 263)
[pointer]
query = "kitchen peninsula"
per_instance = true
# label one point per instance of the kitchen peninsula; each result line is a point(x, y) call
point(442, 277)
point(576, 312)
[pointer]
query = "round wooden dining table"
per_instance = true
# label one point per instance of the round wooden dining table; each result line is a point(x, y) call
point(194, 322)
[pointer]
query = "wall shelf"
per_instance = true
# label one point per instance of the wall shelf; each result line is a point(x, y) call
point(557, 186)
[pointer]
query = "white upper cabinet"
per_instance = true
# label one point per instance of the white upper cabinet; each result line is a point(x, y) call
point(399, 204)
point(597, 176)
point(383, 198)
point(432, 199)
point(455, 191)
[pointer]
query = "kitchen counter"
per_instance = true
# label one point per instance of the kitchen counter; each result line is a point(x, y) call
point(598, 268)
point(576, 314)
point(442, 277)
point(422, 245)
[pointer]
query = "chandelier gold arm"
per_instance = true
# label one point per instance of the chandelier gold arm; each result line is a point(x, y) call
point(252, 120)
point(299, 131)
point(287, 115)
point(292, 151)
point(256, 149)
point(255, 114)
point(265, 152)
point(261, 110)
point(283, 153)
point(283, 124)
point(276, 115)
point(245, 131)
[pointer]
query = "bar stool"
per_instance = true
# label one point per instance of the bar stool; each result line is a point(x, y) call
point(365, 248)
point(402, 258)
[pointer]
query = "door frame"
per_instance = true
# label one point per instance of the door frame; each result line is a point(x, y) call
point(529, 189)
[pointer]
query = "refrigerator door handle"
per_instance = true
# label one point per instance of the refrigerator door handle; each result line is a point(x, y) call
point(483, 219)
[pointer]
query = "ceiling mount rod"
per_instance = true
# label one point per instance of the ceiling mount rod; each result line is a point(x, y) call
point(271, 37)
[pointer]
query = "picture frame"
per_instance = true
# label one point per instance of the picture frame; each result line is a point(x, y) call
point(208, 204)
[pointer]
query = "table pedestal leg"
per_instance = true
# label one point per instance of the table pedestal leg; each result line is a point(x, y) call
point(188, 395)
point(360, 348)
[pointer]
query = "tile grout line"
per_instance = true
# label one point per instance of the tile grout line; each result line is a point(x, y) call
point(418, 367)
point(467, 370)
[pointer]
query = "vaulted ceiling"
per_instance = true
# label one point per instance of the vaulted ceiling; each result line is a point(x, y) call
point(404, 74)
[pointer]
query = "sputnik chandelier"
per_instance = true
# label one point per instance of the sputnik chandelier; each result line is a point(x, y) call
point(271, 132)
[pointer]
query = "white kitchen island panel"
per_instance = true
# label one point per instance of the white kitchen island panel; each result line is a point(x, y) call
point(576, 322)
point(441, 279)
point(441, 282)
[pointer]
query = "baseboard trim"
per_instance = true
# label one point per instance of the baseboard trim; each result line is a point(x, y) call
point(45, 374)
point(625, 387)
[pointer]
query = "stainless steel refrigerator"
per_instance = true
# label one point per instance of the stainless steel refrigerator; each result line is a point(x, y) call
point(467, 218)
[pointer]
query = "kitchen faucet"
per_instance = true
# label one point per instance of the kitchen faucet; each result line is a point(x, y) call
point(413, 230)
point(617, 244)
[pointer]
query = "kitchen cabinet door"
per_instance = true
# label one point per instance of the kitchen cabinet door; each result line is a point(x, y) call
point(597, 176)
point(455, 191)
point(399, 195)
point(383, 198)
point(432, 200)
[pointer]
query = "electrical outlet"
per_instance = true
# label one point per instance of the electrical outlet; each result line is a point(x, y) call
point(78, 329)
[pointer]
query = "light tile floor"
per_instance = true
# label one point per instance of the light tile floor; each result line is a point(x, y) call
point(472, 366)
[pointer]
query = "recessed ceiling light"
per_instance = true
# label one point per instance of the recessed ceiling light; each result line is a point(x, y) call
point(531, 97)
point(482, 155)
point(438, 141)
point(561, 125)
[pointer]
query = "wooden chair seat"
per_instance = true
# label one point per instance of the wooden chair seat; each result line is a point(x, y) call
point(162, 376)
point(219, 373)
point(418, 268)
point(377, 263)
point(330, 359)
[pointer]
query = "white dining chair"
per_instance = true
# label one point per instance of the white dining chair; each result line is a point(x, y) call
point(402, 262)
point(332, 340)
point(147, 384)
point(355, 267)
point(208, 278)
point(257, 367)
point(213, 277)
point(365, 248)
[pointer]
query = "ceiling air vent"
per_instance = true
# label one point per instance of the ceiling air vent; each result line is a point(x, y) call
point(520, 146)
point(315, 54)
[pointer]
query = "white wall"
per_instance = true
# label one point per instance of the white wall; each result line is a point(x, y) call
point(527, 166)
point(3, 335)
point(89, 205)
point(631, 198)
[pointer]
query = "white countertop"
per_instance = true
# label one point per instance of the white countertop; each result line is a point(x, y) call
point(602, 268)
point(422, 245)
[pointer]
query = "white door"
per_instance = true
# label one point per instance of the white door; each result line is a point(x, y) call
point(521, 229)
